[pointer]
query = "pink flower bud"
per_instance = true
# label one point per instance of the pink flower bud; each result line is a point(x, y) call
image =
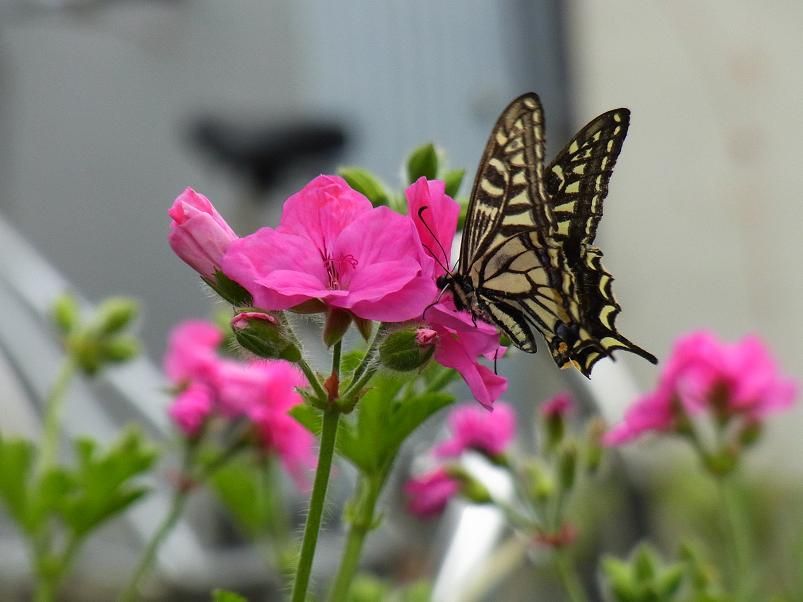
point(198, 233)
point(242, 320)
point(557, 407)
point(425, 337)
point(428, 494)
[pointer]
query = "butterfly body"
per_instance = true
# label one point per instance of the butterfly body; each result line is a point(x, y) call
point(527, 261)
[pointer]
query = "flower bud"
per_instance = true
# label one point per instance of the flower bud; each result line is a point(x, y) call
point(554, 414)
point(114, 314)
point(261, 334)
point(119, 349)
point(405, 350)
point(750, 432)
point(541, 484)
point(594, 448)
point(336, 325)
point(567, 467)
point(198, 233)
point(470, 488)
point(66, 314)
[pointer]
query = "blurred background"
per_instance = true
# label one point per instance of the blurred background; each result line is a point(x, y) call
point(109, 108)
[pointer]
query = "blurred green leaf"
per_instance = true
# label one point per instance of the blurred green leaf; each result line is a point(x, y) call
point(102, 480)
point(422, 162)
point(453, 179)
point(220, 595)
point(240, 486)
point(366, 183)
point(16, 460)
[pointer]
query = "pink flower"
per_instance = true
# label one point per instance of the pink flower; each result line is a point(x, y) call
point(703, 373)
point(192, 352)
point(198, 233)
point(458, 345)
point(436, 225)
point(428, 494)
point(333, 246)
point(191, 408)
point(560, 405)
point(264, 392)
point(476, 429)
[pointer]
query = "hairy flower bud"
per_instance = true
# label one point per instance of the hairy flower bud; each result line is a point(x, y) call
point(402, 351)
point(261, 334)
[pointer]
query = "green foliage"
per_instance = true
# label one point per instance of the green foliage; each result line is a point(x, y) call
point(644, 577)
point(370, 589)
point(242, 487)
point(422, 162)
point(82, 498)
point(220, 595)
point(366, 183)
point(453, 178)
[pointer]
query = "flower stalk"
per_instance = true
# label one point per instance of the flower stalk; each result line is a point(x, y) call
point(362, 522)
point(311, 529)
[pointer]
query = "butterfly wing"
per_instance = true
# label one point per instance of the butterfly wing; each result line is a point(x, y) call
point(522, 284)
point(509, 182)
point(577, 184)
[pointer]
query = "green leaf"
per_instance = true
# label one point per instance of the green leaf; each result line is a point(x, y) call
point(220, 595)
point(103, 480)
point(453, 179)
point(240, 487)
point(16, 460)
point(366, 183)
point(422, 162)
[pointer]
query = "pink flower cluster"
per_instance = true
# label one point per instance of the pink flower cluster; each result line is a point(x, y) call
point(261, 392)
point(333, 249)
point(470, 428)
point(705, 374)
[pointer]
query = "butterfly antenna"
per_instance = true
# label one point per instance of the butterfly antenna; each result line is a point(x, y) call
point(435, 302)
point(435, 238)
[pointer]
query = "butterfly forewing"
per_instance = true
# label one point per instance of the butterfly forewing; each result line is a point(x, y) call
point(509, 185)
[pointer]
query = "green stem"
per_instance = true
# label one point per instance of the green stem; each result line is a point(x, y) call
point(504, 560)
point(367, 366)
point(336, 350)
point(312, 378)
point(311, 529)
point(131, 592)
point(180, 496)
point(738, 531)
point(567, 572)
point(362, 522)
point(51, 433)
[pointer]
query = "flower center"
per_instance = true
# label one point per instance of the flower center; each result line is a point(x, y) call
point(337, 268)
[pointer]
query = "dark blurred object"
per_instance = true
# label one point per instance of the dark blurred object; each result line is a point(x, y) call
point(263, 154)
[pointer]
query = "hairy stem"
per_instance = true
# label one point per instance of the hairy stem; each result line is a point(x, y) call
point(51, 434)
point(313, 525)
point(362, 522)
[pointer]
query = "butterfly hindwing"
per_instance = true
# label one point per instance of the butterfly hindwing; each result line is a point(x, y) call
point(577, 184)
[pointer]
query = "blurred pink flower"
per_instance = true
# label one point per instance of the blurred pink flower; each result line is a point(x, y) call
point(440, 215)
point(198, 233)
point(333, 246)
point(560, 405)
point(475, 429)
point(192, 352)
point(264, 392)
point(460, 342)
point(704, 373)
point(428, 494)
point(190, 409)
